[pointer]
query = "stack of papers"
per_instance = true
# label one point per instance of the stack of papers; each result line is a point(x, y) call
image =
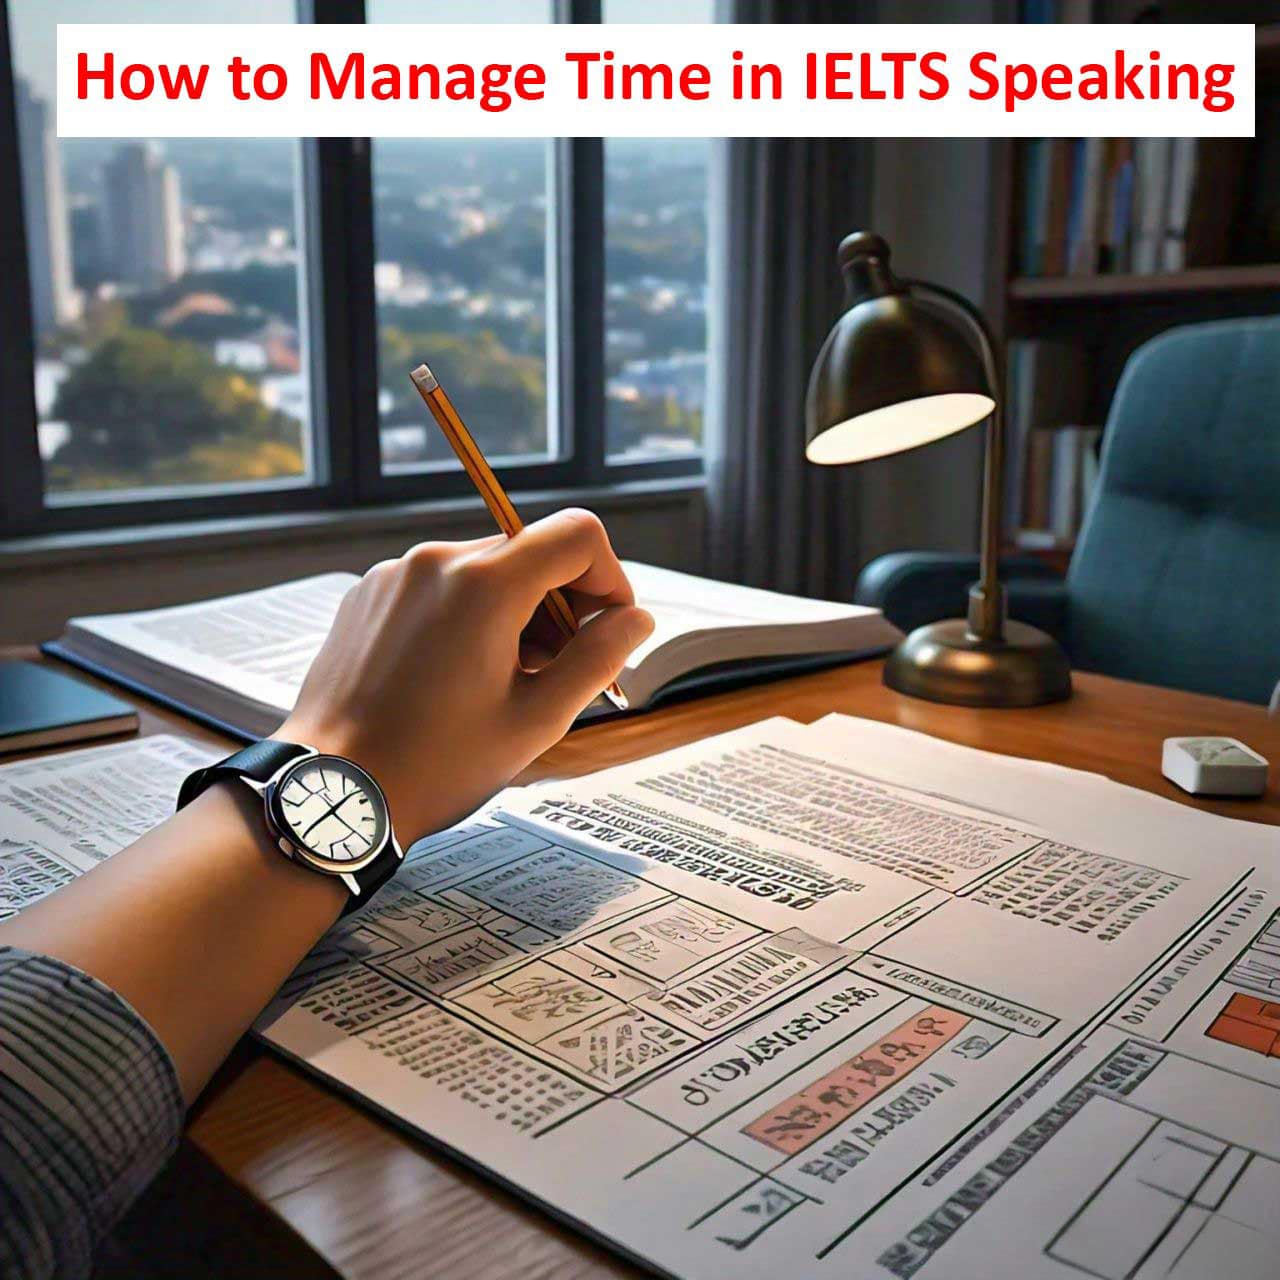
point(836, 999)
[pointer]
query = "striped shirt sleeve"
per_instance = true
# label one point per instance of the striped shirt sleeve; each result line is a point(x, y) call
point(90, 1111)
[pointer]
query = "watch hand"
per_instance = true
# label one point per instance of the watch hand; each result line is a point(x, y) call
point(333, 809)
point(327, 813)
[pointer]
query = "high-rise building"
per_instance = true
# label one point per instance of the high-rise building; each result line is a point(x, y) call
point(88, 264)
point(144, 240)
point(54, 299)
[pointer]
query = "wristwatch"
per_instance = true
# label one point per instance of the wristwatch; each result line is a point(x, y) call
point(323, 811)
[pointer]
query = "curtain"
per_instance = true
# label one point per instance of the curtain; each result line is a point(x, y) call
point(780, 207)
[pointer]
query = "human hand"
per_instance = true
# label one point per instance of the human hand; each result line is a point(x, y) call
point(421, 681)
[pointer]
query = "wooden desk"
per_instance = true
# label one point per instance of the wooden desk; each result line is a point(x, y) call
point(374, 1202)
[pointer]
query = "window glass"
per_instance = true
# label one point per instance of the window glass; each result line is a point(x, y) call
point(460, 236)
point(166, 286)
point(655, 276)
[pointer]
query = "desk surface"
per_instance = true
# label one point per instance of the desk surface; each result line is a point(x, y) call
point(375, 1202)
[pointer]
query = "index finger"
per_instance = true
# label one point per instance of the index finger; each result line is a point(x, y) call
point(569, 550)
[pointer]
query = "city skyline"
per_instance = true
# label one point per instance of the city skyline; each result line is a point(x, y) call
point(185, 255)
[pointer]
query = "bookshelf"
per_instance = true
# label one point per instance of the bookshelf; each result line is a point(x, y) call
point(1091, 315)
point(1240, 278)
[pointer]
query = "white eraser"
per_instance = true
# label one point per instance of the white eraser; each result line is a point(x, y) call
point(1214, 766)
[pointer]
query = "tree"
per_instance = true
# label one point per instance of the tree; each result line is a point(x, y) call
point(144, 409)
point(502, 396)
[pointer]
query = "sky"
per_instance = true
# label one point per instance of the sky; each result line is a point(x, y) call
point(34, 22)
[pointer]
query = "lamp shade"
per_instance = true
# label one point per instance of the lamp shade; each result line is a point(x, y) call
point(895, 372)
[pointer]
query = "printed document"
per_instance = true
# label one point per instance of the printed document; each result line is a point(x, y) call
point(62, 814)
point(828, 1000)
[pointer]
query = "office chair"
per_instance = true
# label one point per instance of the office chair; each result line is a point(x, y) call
point(1175, 579)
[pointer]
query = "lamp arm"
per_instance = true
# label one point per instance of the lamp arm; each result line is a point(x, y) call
point(986, 615)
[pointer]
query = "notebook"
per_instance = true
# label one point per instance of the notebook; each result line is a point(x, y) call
point(43, 708)
point(237, 662)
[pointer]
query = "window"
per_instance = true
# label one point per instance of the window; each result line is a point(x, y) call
point(656, 276)
point(224, 327)
point(656, 298)
point(460, 233)
point(460, 238)
point(169, 323)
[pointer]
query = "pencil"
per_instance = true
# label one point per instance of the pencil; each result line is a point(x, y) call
point(473, 461)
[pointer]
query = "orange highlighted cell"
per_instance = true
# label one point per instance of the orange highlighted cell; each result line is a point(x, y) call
point(803, 1118)
point(1249, 1023)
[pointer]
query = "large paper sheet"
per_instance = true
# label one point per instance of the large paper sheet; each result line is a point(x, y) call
point(60, 815)
point(837, 1000)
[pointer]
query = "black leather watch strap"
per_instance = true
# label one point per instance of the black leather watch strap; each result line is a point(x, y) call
point(371, 879)
point(260, 761)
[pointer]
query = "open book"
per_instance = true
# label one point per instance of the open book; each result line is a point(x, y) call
point(238, 661)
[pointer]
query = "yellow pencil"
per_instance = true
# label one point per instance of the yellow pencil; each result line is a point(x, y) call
point(473, 461)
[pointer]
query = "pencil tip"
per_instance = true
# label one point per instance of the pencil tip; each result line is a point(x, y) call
point(424, 378)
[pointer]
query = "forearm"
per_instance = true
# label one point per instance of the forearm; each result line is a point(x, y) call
point(196, 926)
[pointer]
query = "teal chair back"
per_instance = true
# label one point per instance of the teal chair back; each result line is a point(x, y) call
point(1176, 577)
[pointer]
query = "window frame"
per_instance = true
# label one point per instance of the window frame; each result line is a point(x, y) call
point(337, 222)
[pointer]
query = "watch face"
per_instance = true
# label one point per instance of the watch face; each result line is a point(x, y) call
point(333, 810)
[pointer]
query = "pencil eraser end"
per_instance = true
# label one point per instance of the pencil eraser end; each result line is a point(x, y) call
point(424, 378)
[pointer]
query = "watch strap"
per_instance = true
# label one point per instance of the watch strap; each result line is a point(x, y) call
point(260, 761)
point(371, 879)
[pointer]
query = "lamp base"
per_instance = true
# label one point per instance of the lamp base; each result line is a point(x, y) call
point(946, 662)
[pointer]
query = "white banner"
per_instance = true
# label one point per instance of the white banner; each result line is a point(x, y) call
point(622, 80)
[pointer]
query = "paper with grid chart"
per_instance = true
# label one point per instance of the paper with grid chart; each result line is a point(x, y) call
point(837, 1000)
point(803, 1000)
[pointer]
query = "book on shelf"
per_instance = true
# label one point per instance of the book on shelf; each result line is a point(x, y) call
point(1096, 206)
point(1116, 235)
point(237, 662)
point(1051, 462)
point(1150, 198)
point(1062, 477)
point(1086, 206)
point(1182, 176)
point(1056, 198)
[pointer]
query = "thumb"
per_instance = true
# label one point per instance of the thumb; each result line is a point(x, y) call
point(586, 664)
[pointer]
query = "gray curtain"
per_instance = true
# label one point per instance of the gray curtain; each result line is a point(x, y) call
point(780, 207)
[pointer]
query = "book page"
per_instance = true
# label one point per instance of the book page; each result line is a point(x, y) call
point(259, 644)
point(682, 603)
point(1054, 1053)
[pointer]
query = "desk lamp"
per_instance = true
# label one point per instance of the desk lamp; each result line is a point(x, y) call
point(907, 364)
